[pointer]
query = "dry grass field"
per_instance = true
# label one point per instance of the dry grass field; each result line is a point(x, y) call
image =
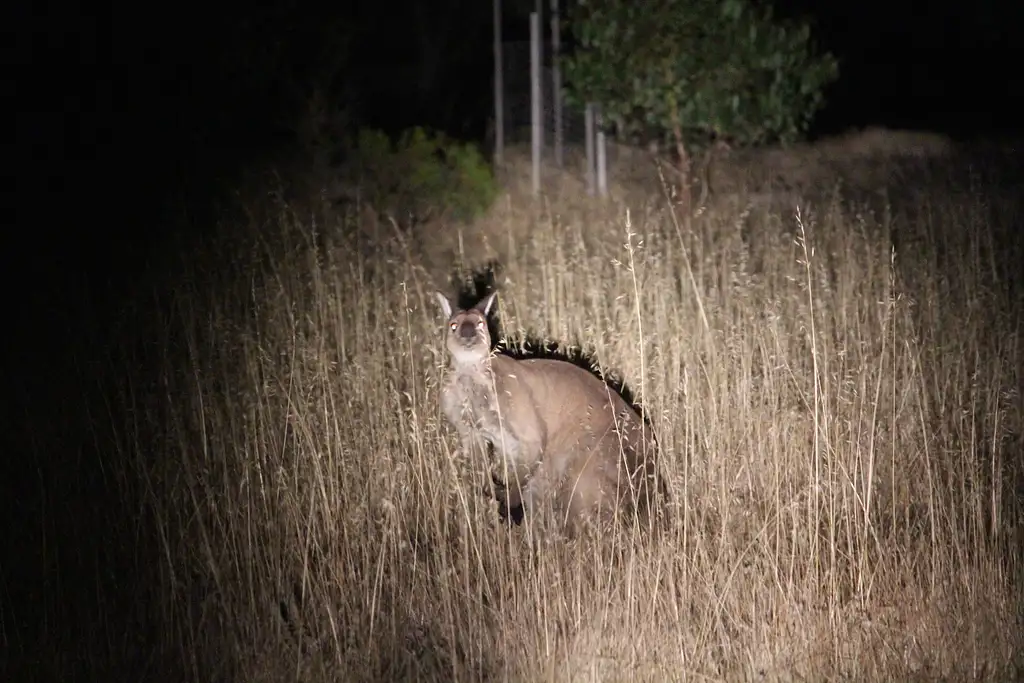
point(834, 377)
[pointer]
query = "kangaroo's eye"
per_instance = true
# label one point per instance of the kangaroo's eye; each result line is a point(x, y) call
point(480, 324)
point(453, 326)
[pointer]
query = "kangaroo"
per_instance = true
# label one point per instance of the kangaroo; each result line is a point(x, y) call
point(562, 440)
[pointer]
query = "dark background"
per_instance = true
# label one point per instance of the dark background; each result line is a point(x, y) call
point(128, 118)
point(123, 110)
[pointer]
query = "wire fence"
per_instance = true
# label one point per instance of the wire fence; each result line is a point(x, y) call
point(516, 75)
point(576, 135)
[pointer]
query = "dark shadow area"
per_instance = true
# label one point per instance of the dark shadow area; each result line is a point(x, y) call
point(80, 551)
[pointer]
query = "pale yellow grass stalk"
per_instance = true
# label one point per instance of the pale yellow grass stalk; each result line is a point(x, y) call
point(840, 427)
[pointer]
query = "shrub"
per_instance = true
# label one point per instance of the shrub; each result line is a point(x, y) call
point(421, 176)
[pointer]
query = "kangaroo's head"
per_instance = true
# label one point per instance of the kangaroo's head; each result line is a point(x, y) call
point(468, 339)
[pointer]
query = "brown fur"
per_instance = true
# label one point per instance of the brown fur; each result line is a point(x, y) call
point(562, 439)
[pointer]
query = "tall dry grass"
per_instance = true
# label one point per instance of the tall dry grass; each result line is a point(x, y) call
point(840, 419)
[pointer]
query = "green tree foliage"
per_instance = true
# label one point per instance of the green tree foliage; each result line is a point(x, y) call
point(692, 71)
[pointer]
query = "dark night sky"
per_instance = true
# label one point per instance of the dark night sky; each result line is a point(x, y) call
point(946, 67)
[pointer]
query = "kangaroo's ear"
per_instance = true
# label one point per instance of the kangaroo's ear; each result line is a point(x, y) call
point(446, 306)
point(484, 305)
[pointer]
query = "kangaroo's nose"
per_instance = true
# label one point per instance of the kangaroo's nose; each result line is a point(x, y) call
point(467, 330)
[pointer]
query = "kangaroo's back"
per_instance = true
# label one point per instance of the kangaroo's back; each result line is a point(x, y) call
point(600, 452)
